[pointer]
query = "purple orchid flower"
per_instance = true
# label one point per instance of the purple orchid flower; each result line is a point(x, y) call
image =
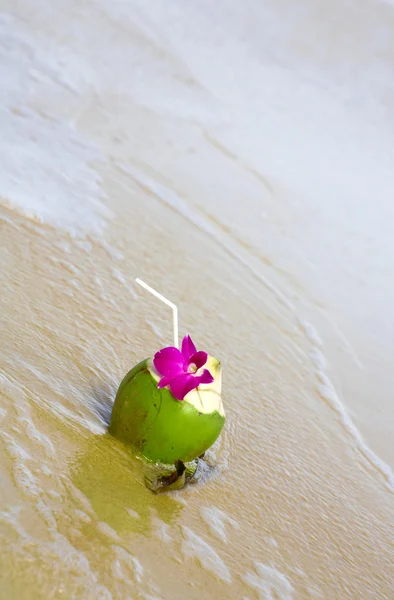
point(181, 369)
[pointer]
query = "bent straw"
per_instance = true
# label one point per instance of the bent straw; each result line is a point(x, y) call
point(168, 302)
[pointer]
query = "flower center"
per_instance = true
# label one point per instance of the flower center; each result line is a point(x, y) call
point(192, 368)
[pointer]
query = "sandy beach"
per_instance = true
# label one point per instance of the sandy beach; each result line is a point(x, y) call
point(239, 158)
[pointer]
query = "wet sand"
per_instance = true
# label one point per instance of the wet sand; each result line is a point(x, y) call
point(238, 159)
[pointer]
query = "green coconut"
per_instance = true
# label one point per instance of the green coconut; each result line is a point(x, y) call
point(161, 428)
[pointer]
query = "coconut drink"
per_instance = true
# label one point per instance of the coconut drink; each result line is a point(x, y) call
point(169, 410)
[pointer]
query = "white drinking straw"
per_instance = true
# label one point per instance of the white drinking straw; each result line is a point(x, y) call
point(170, 304)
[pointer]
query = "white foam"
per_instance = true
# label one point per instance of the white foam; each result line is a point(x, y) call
point(82, 515)
point(217, 521)
point(72, 565)
point(3, 414)
point(310, 331)
point(133, 513)
point(46, 167)
point(161, 530)
point(108, 531)
point(328, 393)
point(53, 494)
point(271, 542)
point(270, 583)
point(195, 546)
point(11, 516)
point(34, 434)
point(126, 566)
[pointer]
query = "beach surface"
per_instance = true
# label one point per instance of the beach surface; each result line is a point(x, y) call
point(239, 158)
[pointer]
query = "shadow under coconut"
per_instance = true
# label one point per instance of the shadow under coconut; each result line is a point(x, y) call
point(113, 481)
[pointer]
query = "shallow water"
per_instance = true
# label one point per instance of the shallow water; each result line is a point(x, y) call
point(238, 158)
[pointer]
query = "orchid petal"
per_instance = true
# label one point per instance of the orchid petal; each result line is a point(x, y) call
point(169, 362)
point(182, 385)
point(199, 359)
point(205, 377)
point(164, 382)
point(188, 348)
